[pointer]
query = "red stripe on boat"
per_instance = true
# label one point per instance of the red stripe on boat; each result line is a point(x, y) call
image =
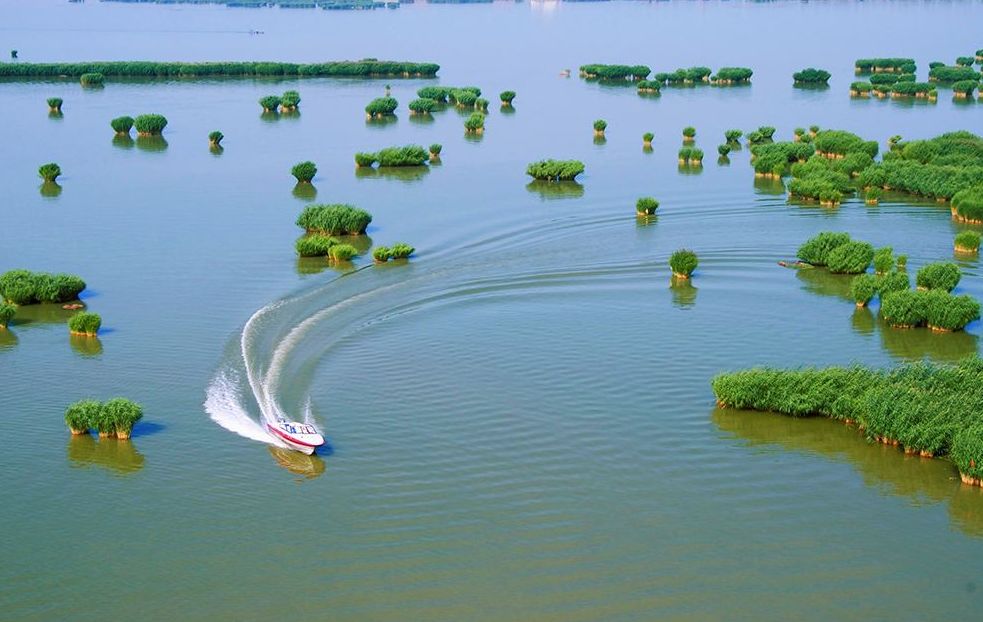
point(287, 437)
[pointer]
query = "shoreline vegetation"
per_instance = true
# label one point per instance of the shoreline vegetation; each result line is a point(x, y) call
point(368, 67)
point(925, 409)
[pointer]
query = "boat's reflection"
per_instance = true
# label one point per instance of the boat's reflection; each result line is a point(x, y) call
point(309, 467)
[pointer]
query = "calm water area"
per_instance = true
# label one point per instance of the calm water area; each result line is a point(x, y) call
point(520, 420)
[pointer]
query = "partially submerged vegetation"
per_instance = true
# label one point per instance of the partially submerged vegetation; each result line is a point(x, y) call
point(811, 76)
point(7, 312)
point(555, 170)
point(837, 252)
point(952, 74)
point(381, 107)
point(598, 71)
point(85, 323)
point(599, 126)
point(150, 124)
point(938, 168)
point(408, 155)
point(49, 172)
point(334, 219)
point(304, 171)
point(115, 417)
point(315, 245)
point(122, 125)
point(369, 67)
point(23, 287)
point(506, 97)
point(690, 156)
point(683, 263)
point(926, 409)
point(215, 138)
point(646, 206)
point(475, 124)
point(92, 79)
point(54, 104)
point(877, 65)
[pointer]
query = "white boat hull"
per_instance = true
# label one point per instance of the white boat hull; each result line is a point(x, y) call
point(293, 435)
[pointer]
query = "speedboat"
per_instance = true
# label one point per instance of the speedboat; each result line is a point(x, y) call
point(300, 436)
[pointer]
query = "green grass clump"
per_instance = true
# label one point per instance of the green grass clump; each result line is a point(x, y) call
point(967, 204)
point(863, 289)
point(923, 407)
point(723, 150)
point(682, 263)
point(942, 275)
point(92, 79)
point(465, 98)
point(150, 124)
point(365, 159)
point(439, 94)
point(304, 171)
point(506, 97)
point(22, 287)
point(270, 103)
point(382, 254)
point(946, 312)
point(381, 107)
point(49, 172)
point(689, 133)
point(401, 250)
point(732, 136)
point(422, 106)
point(732, 75)
point(690, 156)
point(368, 67)
point(872, 196)
point(7, 312)
point(82, 416)
point(816, 250)
point(343, 252)
point(646, 206)
point(967, 241)
point(599, 126)
point(54, 104)
point(647, 138)
point(555, 170)
point(964, 88)
point(85, 323)
point(883, 260)
point(117, 417)
point(475, 124)
point(122, 125)
point(435, 150)
point(215, 138)
point(811, 76)
point(899, 65)
point(904, 308)
point(409, 155)
point(597, 71)
point(290, 100)
point(840, 143)
point(952, 74)
point(334, 219)
point(649, 87)
point(851, 258)
point(893, 282)
point(315, 245)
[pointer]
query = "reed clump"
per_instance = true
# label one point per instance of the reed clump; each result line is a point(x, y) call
point(85, 323)
point(646, 206)
point(23, 287)
point(555, 170)
point(334, 219)
point(113, 418)
point(924, 408)
point(683, 263)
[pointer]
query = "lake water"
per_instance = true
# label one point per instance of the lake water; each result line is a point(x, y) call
point(520, 420)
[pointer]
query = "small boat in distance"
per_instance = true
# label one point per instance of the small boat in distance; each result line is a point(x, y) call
point(300, 436)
